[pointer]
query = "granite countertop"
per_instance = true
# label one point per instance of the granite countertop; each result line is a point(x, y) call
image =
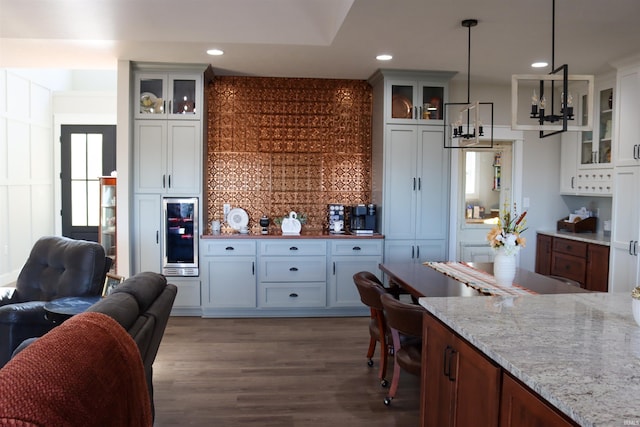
point(596, 238)
point(581, 352)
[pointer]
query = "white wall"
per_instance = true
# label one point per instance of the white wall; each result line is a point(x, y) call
point(26, 170)
point(33, 105)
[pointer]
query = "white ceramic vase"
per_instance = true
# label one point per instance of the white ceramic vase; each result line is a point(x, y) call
point(504, 268)
point(635, 306)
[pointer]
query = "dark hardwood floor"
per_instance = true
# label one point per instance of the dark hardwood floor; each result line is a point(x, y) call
point(275, 372)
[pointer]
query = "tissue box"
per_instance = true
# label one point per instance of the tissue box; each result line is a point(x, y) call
point(587, 225)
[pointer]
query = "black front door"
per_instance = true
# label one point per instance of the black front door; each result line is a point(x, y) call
point(87, 152)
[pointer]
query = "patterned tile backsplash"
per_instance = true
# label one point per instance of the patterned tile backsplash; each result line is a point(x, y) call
point(280, 144)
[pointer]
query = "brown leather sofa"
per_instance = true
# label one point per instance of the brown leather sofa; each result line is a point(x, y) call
point(57, 267)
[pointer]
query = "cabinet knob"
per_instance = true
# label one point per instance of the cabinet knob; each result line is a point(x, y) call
point(293, 269)
point(293, 295)
point(356, 248)
point(229, 248)
point(293, 248)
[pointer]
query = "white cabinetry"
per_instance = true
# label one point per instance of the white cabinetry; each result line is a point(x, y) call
point(290, 277)
point(416, 188)
point(627, 152)
point(625, 234)
point(147, 250)
point(349, 257)
point(586, 162)
point(292, 273)
point(167, 157)
point(625, 262)
point(229, 270)
point(160, 95)
point(410, 165)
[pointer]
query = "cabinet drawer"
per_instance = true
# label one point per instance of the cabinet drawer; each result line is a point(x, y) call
point(570, 247)
point(293, 247)
point(293, 269)
point(227, 247)
point(356, 247)
point(286, 295)
point(569, 266)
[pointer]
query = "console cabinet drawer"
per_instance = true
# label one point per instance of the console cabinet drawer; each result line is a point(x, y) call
point(570, 247)
point(356, 247)
point(287, 295)
point(293, 269)
point(293, 247)
point(228, 247)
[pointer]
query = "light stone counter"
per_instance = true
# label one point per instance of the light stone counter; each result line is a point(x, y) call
point(596, 238)
point(581, 352)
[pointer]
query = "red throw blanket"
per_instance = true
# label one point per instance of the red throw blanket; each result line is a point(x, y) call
point(85, 372)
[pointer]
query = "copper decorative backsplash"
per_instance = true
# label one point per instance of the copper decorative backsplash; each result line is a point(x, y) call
point(280, 144)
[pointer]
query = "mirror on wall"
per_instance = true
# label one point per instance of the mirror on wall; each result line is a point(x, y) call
point(486, 182)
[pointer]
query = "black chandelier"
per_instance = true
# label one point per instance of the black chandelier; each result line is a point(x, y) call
point(539, 108)
point(553, 109)
point(466, 134)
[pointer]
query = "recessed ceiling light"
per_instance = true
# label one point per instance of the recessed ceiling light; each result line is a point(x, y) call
point(215, 52)
point(540, 64)
point(384, 57)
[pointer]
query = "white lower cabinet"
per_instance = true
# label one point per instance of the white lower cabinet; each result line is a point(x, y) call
point(229, 272)
point(285, 277)
point(415, 250)
point(188, 296)
point(349, 257)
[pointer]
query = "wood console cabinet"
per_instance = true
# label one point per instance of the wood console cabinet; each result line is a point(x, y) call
point(460, 386)
point(586, 263)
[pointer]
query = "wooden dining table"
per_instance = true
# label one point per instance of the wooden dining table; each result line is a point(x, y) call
point(420, 280)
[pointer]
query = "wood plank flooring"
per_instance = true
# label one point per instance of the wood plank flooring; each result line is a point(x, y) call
point(284, 372)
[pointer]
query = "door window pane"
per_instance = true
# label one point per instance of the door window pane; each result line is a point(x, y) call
point(86, 167)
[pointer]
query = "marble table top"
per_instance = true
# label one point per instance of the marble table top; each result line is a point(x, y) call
point(581, 352)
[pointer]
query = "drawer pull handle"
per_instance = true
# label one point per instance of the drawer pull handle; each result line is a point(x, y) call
point(293, 295)
point(293, 248)
point(357, 248)
point(293, 269)
point(229, 248)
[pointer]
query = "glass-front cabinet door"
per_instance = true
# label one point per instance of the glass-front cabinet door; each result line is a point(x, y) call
point(172, 96)
point(415, 101)
point(595, 146)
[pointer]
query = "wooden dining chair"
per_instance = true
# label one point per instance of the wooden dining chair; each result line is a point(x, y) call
point(405, 324)
point(370, 290)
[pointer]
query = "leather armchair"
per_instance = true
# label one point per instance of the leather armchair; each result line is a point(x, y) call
point(57, 267)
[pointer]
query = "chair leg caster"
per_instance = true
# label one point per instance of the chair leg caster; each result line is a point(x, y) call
point(387, 400)
point(384, 383)
point(370, 363)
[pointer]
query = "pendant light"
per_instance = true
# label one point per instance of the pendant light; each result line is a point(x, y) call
point(552, 107)
point(466, 126)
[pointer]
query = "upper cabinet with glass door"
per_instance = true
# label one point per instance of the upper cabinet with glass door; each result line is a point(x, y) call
point(414, 97)
point(595, 147)
point(174, 96)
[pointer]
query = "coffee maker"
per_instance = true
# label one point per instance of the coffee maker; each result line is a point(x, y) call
point(362, 219)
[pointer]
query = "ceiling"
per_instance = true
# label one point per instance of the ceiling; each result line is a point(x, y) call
point(320, 38)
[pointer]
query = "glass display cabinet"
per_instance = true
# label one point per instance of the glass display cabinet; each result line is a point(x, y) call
point(107, 229)
point(416, 101)
point(173, 96)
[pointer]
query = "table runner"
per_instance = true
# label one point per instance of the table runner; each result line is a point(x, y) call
point(477, 279)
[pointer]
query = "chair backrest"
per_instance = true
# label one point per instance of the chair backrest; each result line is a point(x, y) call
point(369, 288)
point(404, 317)
point(58, 267)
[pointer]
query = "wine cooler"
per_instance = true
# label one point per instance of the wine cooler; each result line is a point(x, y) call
point(180, 251)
